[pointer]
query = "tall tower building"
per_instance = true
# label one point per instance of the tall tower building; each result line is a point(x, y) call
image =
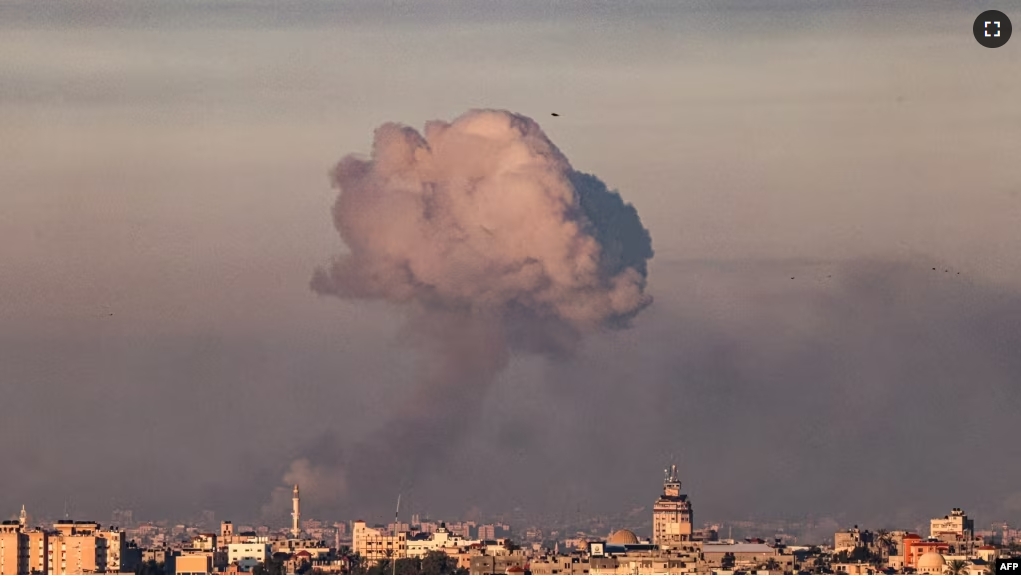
point(296, 514)
point(23, 518)
point(671, 515)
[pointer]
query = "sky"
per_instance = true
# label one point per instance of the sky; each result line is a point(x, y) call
point(801, 167)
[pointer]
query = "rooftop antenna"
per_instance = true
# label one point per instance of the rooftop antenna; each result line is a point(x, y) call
point(396, 529)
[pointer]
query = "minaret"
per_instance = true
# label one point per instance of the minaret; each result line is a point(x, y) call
point(23, 518)
point(296, 514)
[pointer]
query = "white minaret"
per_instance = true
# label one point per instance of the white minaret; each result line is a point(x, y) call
point(23, 517)
point(296, 514)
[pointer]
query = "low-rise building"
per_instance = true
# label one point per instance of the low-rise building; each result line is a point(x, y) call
point(915, 548)
point(956, 524)
point(486, 564)
point(740, 553)
point(848, 540)
point(375, 543)
point(559, 564)
point(193, 563)
point(441, 540)
point(854, 568)
point(247, 555)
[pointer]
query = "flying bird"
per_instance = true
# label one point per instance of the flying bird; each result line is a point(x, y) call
point(554, 114)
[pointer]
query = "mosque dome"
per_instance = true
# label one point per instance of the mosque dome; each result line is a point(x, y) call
point(621, 537)
point(931, 563)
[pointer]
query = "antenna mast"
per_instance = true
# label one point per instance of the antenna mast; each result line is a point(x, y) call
point(396, 530)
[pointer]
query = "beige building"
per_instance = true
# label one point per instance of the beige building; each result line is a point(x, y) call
point(487, 532)
point(956, 524)
point(38, 552)
point(646, 558)
point(316, 548)
point(623, 553)
point(557, 564)
point(76, 548)
point(194, 563)
point(746, 555)
point(854, 568)
point(227, 533)
point(374, 544)
point(498, 564)
point(14, 549)
point(671, 515)
point(848, 540)
point(245, 554)
point(116, 545)
point(957, 530)
point(206, 541)
point(440, 540)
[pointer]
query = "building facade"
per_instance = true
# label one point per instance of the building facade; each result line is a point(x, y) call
point(374, 544)
point(671, 515)
point(14, 549)
point(956, 524)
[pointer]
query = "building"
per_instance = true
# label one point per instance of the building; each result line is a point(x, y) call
point(296, 562)
point(116, 547)
point(374, 544)
point(848, 540)
point(957, 530)
point(38, 552)
point(623, 554)
point(234, 569)
point(744, 553)
point(76, 547)
point(854, 568)
point(14, 548)
point(956, 524)
point(987, 553)
point(499, 564)
point(559, 564)
point(487, 532)
point(247, 554)
point(441, 540)
point(915, 547)
point(671, 514)
point(316, 548)
point(193, 563)
point(226, 533)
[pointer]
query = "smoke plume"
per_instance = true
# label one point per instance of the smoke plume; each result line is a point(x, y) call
point(491, 244)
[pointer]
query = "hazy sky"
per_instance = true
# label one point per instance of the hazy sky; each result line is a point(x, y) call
point(164, 199)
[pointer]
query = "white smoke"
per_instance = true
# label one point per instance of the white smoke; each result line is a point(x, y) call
point(481, 214)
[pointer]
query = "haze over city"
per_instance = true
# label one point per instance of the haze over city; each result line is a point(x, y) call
point(828, 327)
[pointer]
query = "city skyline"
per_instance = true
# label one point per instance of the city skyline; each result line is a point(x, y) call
point(947, 544)
point(803, 529)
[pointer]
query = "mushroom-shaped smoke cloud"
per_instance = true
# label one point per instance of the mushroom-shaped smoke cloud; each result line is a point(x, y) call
point(490, 241)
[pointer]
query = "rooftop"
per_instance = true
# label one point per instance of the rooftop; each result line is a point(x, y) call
point(736, 548)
